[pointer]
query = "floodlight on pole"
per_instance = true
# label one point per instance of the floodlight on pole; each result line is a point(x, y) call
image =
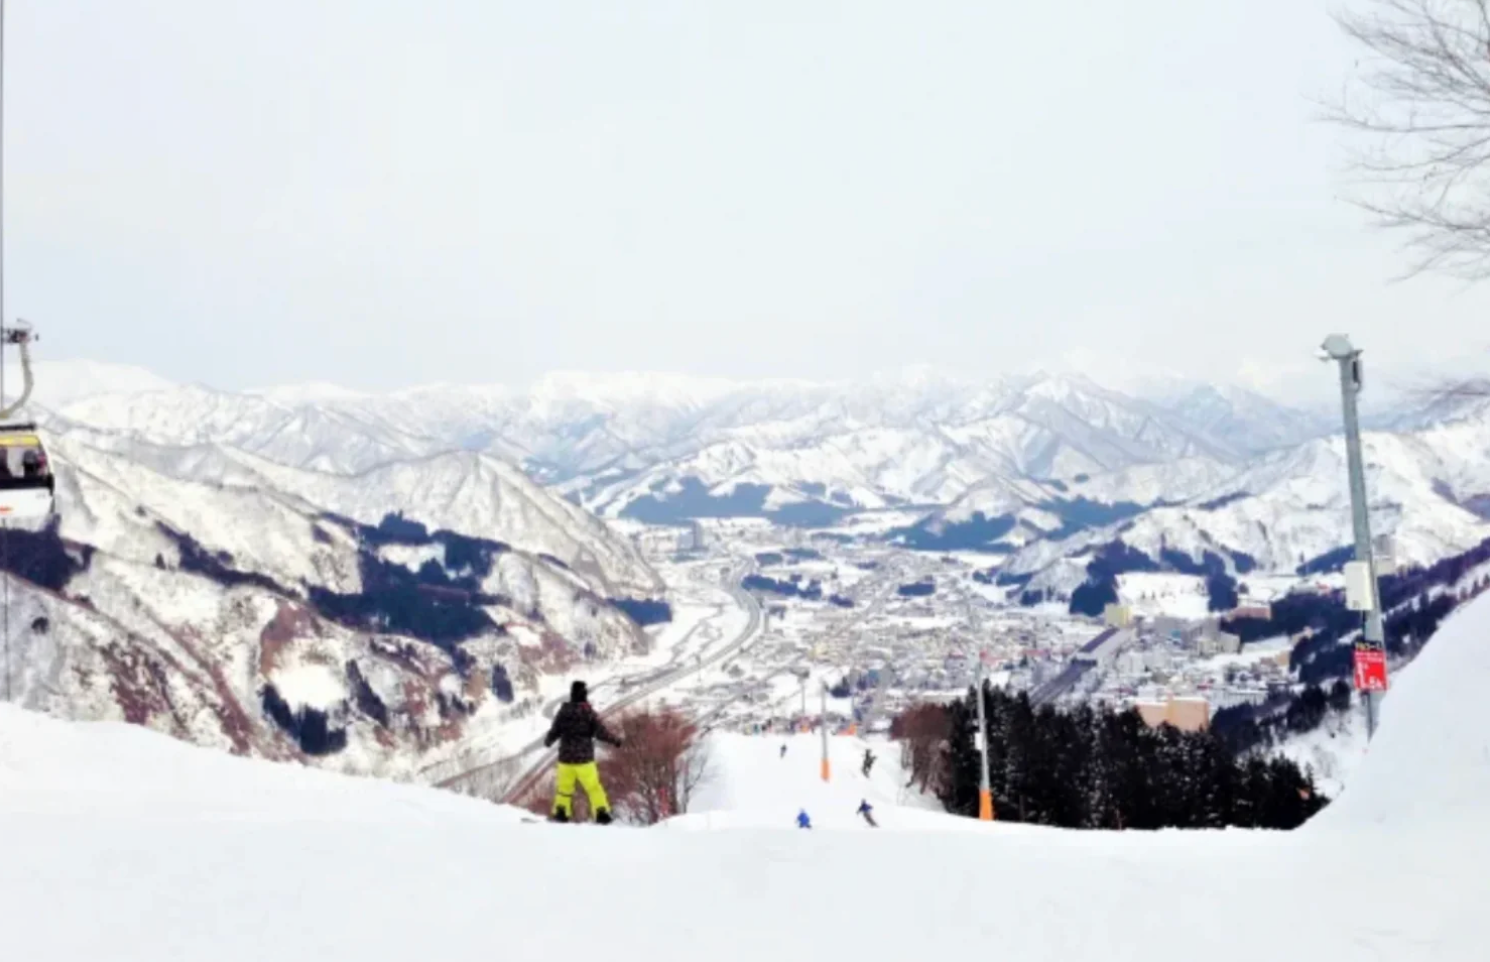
point(1364, 590)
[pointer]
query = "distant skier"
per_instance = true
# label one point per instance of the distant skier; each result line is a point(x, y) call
point(802, 820)
point(783, 749)
point(867, 811)
point(869, 760)
point(576, 727)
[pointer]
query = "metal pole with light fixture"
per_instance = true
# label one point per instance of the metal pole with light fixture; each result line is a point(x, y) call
point(1363, 593)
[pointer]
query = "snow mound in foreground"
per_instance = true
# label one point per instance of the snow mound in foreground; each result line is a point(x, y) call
point(49, 766)
point(1429, 762)
point(120, 844)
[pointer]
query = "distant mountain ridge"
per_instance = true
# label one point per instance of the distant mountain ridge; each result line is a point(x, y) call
point(266, 610)
point(663, 448)
point(612, 441)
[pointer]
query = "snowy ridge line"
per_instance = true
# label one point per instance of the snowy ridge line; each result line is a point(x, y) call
point(197, 606)
point(628, 444)
point(919, 438)
point(464, 493)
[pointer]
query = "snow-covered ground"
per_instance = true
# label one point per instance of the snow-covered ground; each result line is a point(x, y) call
point(749, 782)
point(1428, 768)
point(68, 772)
point(121, 844)
point(1156, 593)
point(1251, 654)
point(1333, 751)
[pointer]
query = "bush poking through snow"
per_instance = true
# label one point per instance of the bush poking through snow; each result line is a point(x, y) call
point(653, 775)
point(655, 772)
point(923, 732)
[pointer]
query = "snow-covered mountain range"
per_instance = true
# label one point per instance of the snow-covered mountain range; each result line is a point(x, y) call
point(635, 444)
point(1002, 463)
point(1427, 490)
point(400, 570)
point(284, 578)
point(202, 590)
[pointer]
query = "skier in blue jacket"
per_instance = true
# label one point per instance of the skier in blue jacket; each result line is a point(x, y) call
point(802, 820)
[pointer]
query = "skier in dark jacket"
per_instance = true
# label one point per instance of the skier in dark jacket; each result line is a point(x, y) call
point(576, 727)
point(869, 759)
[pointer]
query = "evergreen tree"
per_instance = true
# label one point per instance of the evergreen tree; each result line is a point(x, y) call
point(1308, 710)
point(960, 793)
point(1019, 739)
point(501, 684)
point(1340, 696)
point(1096, 768)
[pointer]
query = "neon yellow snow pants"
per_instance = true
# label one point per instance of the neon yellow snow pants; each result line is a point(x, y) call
point(588, 777)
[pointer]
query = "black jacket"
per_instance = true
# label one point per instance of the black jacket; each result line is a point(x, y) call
point(575, 728)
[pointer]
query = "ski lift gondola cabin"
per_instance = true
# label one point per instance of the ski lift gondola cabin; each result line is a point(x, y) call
point(27, 484)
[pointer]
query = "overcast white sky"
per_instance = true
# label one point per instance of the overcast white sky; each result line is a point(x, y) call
point(385, 193)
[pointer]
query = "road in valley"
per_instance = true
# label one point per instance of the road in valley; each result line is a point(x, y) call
point(475, 779)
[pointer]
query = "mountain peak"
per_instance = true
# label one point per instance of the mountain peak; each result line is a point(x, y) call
point(1062, 385)
point(311, 392)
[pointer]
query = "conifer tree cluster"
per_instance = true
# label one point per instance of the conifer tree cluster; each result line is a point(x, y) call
point(1096, 768)
point(1246, 727)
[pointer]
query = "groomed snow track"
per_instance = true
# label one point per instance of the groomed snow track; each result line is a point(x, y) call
point(121, 844)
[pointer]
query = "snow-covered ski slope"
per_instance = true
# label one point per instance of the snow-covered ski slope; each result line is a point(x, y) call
point(129, 775)
point(1429, 765)
point(749, 783)
point(121, 844)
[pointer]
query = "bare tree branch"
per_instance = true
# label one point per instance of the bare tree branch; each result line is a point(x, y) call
point(922, 731)
point(1421, 110)
point(656, 772)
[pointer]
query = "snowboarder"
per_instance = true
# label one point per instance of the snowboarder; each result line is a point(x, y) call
point(802, 820)
point(576, 727)
point(867, 811)
point(783, 749)
point(869, 759)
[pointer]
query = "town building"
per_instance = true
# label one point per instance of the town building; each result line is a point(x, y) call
point(1258, 610)
point(1103, 650)
point(1189, 713)
point(1169, 628)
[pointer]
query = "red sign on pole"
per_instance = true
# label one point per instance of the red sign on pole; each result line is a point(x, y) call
point(1370, 669)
